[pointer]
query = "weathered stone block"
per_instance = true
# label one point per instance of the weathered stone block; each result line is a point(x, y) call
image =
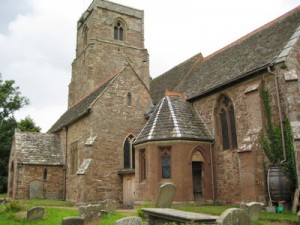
point(35, 213)
point(132, 220)
point(72, 221)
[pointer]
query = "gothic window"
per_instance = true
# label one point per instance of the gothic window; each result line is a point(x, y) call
point(74, 158)
point(227, 124)
point(129, 152)
point(142, 164)
point(129, 97)
point(119, 31)
point(165, 163)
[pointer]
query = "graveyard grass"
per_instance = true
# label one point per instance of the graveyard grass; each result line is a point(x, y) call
point(56, 210)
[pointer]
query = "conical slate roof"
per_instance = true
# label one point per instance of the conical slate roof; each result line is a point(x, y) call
point(174, 119)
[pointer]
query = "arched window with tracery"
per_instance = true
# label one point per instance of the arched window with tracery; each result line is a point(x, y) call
point(227, 123)
point(129, 152)
point(119, 28)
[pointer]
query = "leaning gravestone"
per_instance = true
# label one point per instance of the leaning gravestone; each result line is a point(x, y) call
point(36, 189)
point(73, 220)
point(131, 220)
point(234, 216)
point(35, 213)
point(166, 195)
point(253, 209)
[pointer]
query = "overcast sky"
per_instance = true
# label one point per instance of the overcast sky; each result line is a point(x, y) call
point(37, 40)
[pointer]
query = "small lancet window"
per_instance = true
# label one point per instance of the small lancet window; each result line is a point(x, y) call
point(227, 124)
point(45, 174)
point(119, 31)
point(129, 99)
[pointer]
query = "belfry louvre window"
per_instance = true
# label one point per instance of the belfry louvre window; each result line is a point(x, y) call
point(129, 152)
point(119, 31)
point(227, 123)
point(74, 158)
point(165, 163)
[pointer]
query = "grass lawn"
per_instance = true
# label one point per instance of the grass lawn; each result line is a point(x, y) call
point(15, 213)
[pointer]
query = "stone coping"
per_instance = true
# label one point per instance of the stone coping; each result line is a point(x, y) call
point(178, 215)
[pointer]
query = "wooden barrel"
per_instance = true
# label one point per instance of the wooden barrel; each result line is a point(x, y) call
point(279, 185)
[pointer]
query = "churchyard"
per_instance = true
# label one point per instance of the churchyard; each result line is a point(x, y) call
point(14, 212)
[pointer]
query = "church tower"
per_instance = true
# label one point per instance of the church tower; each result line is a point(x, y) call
point(109, 36)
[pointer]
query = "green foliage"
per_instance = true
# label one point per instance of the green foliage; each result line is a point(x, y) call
point(12, 206)
point(10, 99)
point(271, 141)
point(272, 144)
point(28, 124)
point(289, 166)
point(6, 133)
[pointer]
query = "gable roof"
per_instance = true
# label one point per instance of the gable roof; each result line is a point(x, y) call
point(38, 149)
point(252, 53)
point(174, 119)
point(82, 108)
point(171, 78)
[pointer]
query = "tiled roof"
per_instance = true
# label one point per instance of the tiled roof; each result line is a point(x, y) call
point(174, 119)
point(171, 78)
point(257, 50)
point(80, 109)
point(250, 53)
point(39, 149)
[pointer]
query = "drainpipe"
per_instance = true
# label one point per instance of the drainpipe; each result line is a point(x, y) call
point(280, 114)
point(212, 170)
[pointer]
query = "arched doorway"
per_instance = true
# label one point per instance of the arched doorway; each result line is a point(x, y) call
point(197, 172)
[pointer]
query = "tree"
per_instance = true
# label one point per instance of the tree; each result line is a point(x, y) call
point(11, 100)
point(28, 124)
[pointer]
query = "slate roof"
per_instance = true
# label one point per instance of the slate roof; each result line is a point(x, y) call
point(253, 52)
point(82, 108)
point(38, 149)
point(171, 78)
point(174, 119)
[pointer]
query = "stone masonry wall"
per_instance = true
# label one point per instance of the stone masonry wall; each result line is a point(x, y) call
point(102, 56)
point(52, 186)
point(110, 122)
point(239, 173)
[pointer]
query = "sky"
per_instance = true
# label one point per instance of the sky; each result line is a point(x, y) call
point(38, 37)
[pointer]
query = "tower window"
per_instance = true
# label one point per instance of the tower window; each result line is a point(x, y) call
point(85, 35)
point(119, 31)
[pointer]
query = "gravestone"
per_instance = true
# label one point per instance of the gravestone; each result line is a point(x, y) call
point(36, 189)
point(234, 216)
point(73, 220)
point(253, 209)
point(132, 220)
point(166, 195)
point(35, 213)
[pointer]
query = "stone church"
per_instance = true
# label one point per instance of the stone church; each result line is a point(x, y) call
point(197, 125)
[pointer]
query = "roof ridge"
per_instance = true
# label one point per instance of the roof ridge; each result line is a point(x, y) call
point(264, 26)
point(98, 86)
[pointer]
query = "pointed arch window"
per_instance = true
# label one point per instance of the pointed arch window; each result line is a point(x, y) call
point(119, 31)
point(129, 152)
point(227, 124)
